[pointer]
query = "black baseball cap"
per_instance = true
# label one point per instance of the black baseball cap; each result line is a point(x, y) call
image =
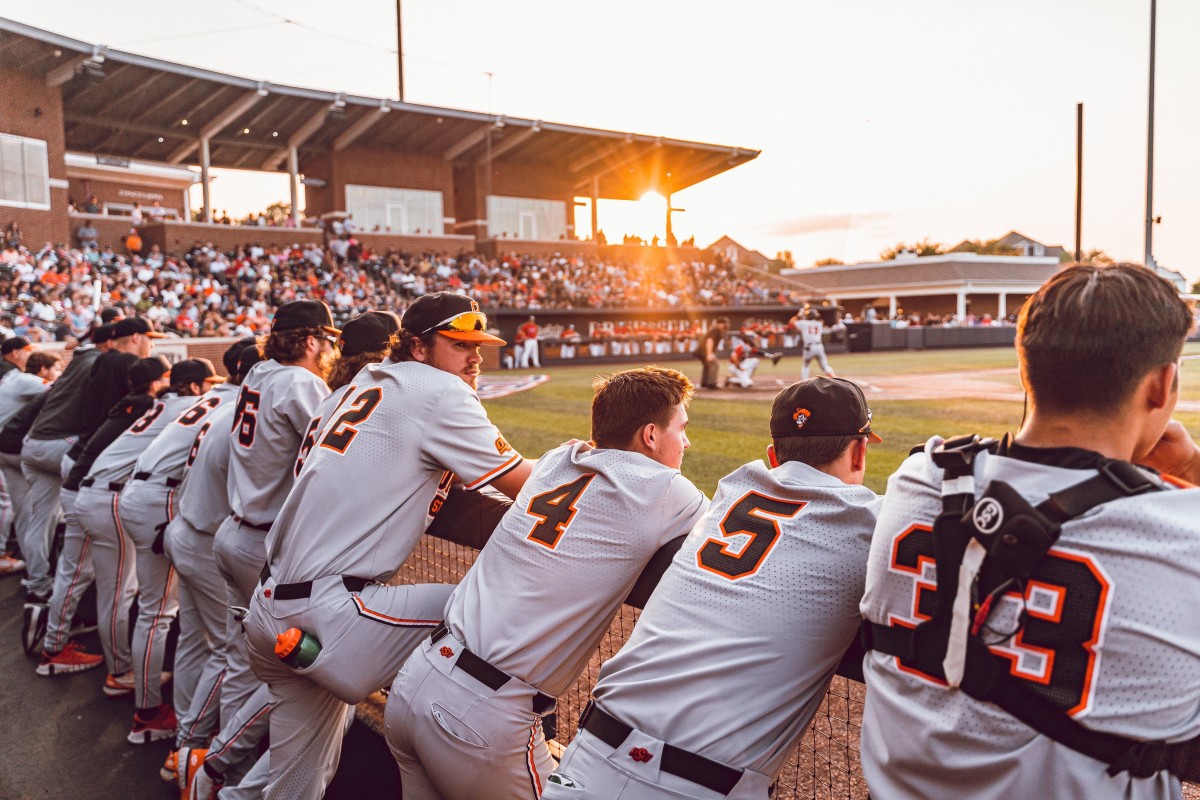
point(303, 314)
point(230, 359)
point(102, 333)
point(111, 314)
point(145, 371)
point(822, 407)
point(452, 315)
point(247, 359)
point(368, 332)
point(194, 370)
point(131, 325)
point(13, 344)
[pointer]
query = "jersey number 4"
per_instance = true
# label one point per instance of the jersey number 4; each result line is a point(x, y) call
point(555, 509)
point(755, 515)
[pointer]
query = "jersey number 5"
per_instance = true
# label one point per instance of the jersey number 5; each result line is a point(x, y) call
point(555, 509)
point(757, 515)
point(245, 420)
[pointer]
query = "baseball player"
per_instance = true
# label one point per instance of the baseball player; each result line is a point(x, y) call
point(18, 388)
point(1023, 596)
point(147, 504)
point(188, 541)
point(97, 514)
point(527, 340)
point(276, 401)
point(74, 409)
point(529, 614)
point(390, 451)
point(811, 329)
point(764, 590)
point(365, 339)
point(707, 352)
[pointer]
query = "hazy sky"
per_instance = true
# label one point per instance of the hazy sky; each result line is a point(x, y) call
point(879, 120)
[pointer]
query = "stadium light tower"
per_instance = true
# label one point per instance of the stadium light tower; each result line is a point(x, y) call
point(399, 54)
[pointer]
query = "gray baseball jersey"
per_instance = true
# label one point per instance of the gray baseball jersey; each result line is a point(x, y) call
point(320, 415)
point(17, 389)
point(274, 407)
point(204, 494)
point(117, 461)
point(810, 331)
point(411, 427)
point(1102, 629)
point(734, 650)
point(545, 588)
point(167, 455)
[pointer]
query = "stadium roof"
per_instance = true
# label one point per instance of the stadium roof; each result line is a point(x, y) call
point(120, 104)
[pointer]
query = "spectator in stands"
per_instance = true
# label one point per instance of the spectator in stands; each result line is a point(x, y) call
point(92, 206)
point(88, 236)
point(136, 217)
point(133, 243)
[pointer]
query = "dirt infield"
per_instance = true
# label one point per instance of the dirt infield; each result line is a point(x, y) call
point(986, 384)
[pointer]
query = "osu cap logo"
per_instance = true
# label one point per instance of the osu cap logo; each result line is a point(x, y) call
point(801, 416)
point(988, 515)
point(864, 427)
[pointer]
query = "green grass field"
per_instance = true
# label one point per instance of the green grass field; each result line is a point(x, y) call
point(728, 433)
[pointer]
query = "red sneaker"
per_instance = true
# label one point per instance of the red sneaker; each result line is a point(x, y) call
point(71, 658)
point(160, 726)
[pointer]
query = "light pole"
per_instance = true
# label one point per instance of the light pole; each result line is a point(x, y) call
point(1150, 147)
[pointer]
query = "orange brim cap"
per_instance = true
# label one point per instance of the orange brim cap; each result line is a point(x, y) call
point(873, 437)
point(478, 337)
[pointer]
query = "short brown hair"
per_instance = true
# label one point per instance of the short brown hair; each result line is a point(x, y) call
point(346, 367)
point(288, 346)
point(816, 451)
point(39, 360)
point(626, 401)
point(1091, 333)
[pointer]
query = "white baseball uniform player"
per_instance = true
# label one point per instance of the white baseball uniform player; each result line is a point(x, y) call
point(735, 648)
point(98, 509)
point(148, 503)
point(742, 365)
point(533, 609)
point(1100, 634)
point(814, 347)
point(414, 426)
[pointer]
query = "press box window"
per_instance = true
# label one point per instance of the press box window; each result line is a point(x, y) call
point(24, 173)
point(390, 210)
point(526, 218)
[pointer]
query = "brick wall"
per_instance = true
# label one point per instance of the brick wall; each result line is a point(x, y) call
point(383, 242)
point(127, 193)
point(35, 110)
point(178, 236)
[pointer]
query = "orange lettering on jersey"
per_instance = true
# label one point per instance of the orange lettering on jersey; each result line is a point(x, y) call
point(502, 446)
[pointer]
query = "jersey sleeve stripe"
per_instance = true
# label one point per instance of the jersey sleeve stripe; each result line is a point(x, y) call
point(496, 473)
point(1178, 483)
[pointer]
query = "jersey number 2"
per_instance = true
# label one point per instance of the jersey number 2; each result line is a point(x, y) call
point(556, 508)
point(345, 428)
point(757, 515)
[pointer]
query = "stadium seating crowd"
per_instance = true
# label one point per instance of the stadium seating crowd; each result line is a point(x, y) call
point(50, 293)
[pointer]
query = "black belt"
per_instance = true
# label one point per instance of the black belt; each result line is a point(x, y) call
point(145, 476)
point(681, 763)
point(296, 591)
point(486, 674)
point(113, 486)
point(250, 524)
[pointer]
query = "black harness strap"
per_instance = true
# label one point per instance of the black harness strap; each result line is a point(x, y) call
point(1014, 550)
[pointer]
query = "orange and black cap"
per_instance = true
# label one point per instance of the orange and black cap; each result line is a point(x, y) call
point(822, 407)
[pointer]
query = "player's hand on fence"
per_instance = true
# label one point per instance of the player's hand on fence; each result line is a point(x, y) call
point(1175, 454)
